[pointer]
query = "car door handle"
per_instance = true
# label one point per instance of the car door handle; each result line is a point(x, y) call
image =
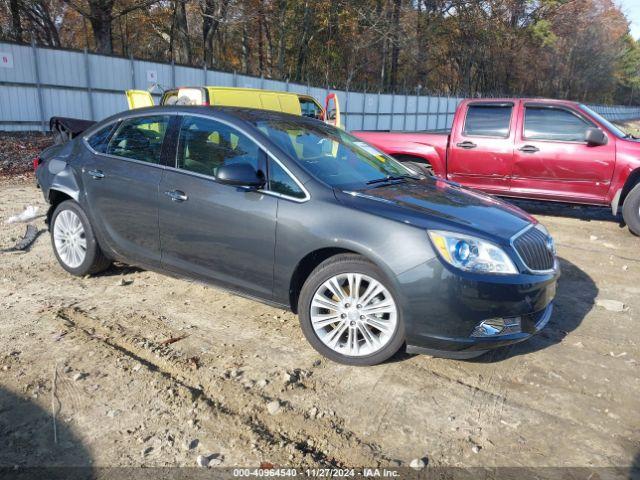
point(96, 174)
point(177, 195)
point(467, 145)
point(529, 149)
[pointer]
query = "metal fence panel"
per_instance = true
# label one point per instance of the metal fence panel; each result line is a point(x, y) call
point(109, 73)
point(36, 83)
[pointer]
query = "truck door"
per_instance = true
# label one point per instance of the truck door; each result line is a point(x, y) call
point(139, 99)
point(553, 161)
point(332, 110)
point(481, 146)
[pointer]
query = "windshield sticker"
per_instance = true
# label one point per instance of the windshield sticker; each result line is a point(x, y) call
point(369, 149)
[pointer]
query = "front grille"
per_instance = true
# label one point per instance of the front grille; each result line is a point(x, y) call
point(532, 247)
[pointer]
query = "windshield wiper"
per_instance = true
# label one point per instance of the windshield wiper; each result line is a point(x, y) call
point(391, 178)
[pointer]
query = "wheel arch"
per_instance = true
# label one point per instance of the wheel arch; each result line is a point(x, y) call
point(56, 197)
point(431, 159)
point(406, 157)
point(309, 263)
point(632, 180)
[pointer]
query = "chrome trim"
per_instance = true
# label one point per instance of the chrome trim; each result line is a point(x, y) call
point(530, 270)
point(306, 198)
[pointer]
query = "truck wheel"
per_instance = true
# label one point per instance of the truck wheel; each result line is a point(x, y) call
point(416, 165)
point(631, 210)
point(348, 312)
point(74, 243)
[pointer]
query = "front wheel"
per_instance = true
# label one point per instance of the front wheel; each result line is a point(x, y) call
point(631, 210)
point(348, 312)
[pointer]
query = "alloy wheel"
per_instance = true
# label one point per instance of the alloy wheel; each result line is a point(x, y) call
point(70, 239)
point(354, 314)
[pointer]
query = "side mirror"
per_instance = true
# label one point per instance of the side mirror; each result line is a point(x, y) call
point(240, 175)
point(595, 137)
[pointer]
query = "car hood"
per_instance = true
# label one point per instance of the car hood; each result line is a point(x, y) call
point(439, 204)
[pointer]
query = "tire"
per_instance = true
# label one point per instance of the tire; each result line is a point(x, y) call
point(351, 320)
point(631, 210)
point(418, 166)
point(68, 246)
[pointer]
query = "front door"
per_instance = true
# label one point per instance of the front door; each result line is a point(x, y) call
point(553, 161)
point(121, 180)
point(219, 232)
point(481, 152)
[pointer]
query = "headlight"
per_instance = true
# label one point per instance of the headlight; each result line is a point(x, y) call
point(472, 254)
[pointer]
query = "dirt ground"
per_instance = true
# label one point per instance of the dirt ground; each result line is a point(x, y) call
point(90, 356)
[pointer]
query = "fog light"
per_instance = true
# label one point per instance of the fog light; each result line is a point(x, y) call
point(497, 326)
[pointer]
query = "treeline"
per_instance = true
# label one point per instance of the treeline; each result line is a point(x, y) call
point(579, 49)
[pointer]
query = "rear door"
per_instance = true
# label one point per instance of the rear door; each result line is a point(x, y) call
point(552, 159)
point(218, 232)
point(481, 152)
point(121, 183)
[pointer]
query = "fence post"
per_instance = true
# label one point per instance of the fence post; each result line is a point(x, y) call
point(346, 109)
point(428, 112)
point(87, 76)
point(133, 72)
point(438, 114)
point(37, 72)
point(377, 111)
point(262, 82)
point(287, 84)
point(404, 119)
point(415, 124)
point(393, 108)
point(173, 74)
point(204, 74)
point(364, 108)
point(235, 78)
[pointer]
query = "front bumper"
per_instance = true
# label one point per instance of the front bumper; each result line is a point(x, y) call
point(442, 307)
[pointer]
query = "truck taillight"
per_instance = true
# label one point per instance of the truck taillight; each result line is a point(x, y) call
point(36, 163)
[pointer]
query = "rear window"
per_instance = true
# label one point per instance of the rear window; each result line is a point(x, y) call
point(139, 138)
point(487, 120)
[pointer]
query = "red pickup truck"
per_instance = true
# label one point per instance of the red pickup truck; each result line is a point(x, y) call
point(529, 148)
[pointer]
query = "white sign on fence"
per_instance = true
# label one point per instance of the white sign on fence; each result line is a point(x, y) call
point(6, 60)
point(152, 76)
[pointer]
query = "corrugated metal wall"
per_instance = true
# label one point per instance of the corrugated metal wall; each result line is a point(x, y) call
point(38, 83)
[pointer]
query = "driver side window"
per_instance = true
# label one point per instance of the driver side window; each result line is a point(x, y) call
point(549, 123)
point(205, 144)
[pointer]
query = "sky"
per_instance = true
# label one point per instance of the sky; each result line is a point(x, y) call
point(631, 9)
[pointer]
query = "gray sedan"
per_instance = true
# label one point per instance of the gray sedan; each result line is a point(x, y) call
point(293, 212)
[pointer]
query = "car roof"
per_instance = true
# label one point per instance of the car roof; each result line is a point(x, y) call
point(250, 115)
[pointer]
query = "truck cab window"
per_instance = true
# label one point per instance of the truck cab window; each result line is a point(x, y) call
point(487, 120)
point(549, 123)
point(310, 108)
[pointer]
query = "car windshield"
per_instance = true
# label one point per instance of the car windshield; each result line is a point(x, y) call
point(610, 126)
point(332, 155)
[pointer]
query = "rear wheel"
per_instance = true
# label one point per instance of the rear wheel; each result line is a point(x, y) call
point(631, 210)
point(74, 243)
point(348, 312)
